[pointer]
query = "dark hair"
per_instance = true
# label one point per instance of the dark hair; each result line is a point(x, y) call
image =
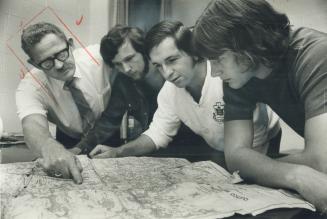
point(33, 34)
point(248, 27)
point(111, 42)
point(175, 29)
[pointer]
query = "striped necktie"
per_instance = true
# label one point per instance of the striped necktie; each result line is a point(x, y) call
point(83, 106)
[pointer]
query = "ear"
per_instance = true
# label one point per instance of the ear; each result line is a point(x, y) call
point(245, 62)
point(30, 61)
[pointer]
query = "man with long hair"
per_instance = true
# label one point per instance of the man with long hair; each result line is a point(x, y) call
point(261, 58)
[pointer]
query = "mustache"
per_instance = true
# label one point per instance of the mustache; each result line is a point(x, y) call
point(66, 67)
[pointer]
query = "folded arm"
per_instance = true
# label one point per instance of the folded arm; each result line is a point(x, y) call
point(315, 151)
point(266, 171)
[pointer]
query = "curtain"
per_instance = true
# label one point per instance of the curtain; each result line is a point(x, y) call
point(118, 12)
point(165, 9)
point(141, 13)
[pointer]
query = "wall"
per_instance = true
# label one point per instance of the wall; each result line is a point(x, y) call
point(305, 13)
point(15, 14)
point(188, 11)
point(311, 13)
point(99, 20)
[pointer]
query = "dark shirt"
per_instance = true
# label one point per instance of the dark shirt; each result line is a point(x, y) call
point(150, 94)
point(127, 95)
point(296, 88)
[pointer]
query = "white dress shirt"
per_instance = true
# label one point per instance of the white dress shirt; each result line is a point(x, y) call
point(39, 94)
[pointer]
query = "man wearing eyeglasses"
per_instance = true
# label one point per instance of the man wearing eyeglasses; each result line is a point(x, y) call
point(68, 88)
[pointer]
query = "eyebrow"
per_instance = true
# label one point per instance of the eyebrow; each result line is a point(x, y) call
point(129, 56)
point(124, 59)
point(166, 59)
point(171, 57)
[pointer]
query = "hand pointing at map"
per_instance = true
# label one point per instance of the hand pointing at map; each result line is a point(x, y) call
point(61, 163)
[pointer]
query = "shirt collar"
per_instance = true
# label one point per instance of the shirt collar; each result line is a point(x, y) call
point(77, 74)
point(206, 81)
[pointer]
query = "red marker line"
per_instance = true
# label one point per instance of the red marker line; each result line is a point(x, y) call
point(33, 76)
point(28, 22)
point(22, 74)
point(78, 22)
point(44, 88)
point(77, 39)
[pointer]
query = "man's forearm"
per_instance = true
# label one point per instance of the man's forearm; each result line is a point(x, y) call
point(38, 137)
point(56, 159)
point(297, 158)
point(263, 170)
point(38, 145)
point(140, 146)
point(308, 182)
point(306, 158)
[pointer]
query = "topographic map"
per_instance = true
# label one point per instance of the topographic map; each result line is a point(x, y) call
point(136, 187)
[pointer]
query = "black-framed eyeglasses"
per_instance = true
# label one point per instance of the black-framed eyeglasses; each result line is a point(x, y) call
point(62, 56)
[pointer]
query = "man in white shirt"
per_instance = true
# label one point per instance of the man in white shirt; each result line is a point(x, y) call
point(190, 95)
point(45, 95)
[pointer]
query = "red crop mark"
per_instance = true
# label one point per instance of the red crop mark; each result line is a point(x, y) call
point(75, 37)
point(27, 71)
point(78, 22)
point(22, 74)
point(33, 76)
point(28, 22)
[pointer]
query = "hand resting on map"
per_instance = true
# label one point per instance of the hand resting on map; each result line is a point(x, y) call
point(103, 151)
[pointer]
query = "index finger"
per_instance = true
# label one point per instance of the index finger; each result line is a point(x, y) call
point(75, 172)
point(78, 163)
point(102, 155)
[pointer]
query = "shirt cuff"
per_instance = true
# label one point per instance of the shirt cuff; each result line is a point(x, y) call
point(22, 115)
point(159, 140)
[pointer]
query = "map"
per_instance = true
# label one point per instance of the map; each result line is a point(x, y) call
point(136, 187)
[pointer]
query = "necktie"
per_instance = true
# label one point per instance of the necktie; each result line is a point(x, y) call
point(84, 108)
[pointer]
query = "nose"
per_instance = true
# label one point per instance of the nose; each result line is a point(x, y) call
point(126, 67)
point(216, 73)
point(58, 64)
point(216, 70)
point(167, 72)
